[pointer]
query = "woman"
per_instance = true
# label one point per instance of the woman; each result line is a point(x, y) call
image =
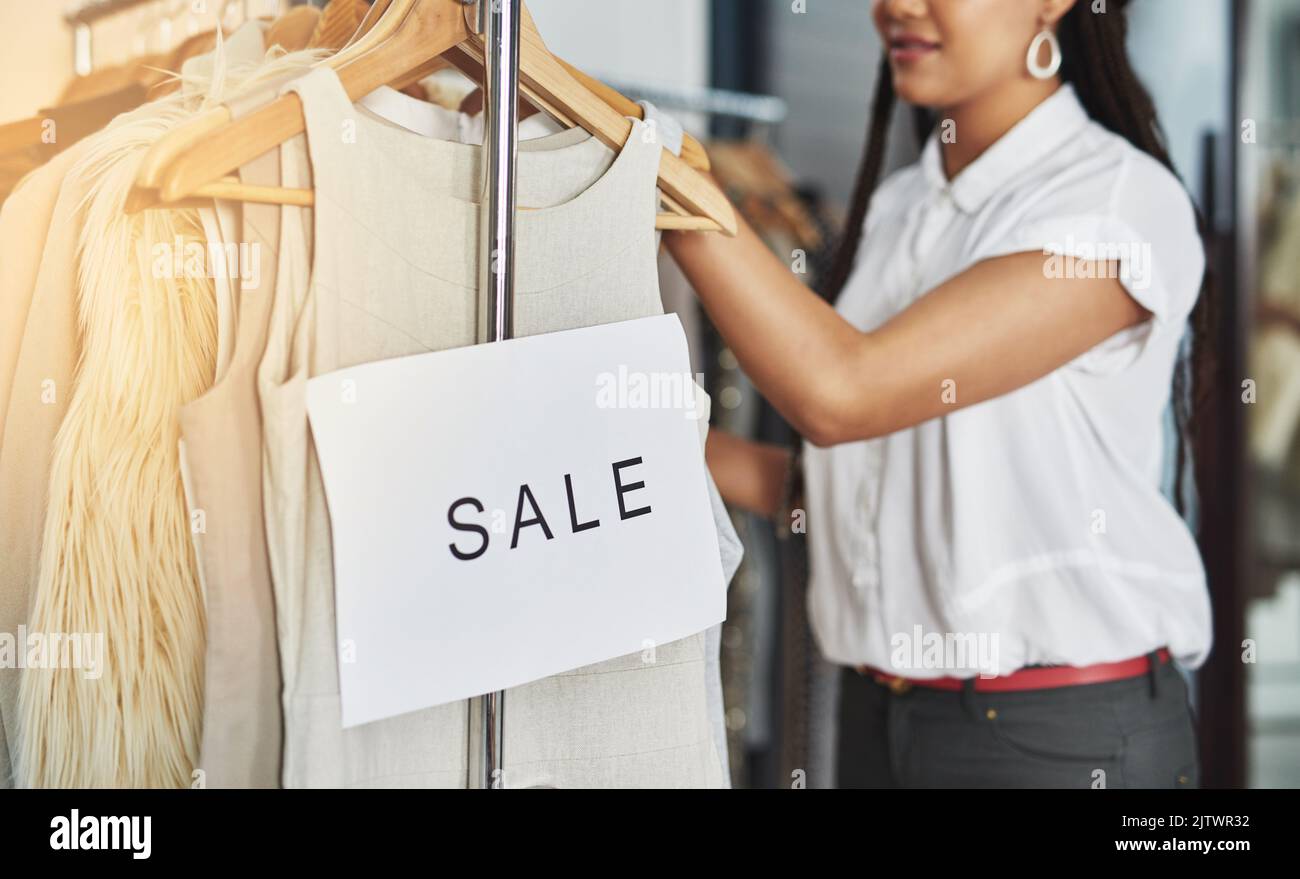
point(984, 410)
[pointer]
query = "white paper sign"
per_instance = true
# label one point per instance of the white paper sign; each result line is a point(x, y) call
point(501, 513)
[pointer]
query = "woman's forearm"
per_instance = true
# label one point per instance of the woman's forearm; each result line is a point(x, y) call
point(993, 328)
point(790, 343)
point(749, 475)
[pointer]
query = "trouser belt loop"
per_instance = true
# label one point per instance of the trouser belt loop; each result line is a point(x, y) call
point(968, 698)
point(1153, 661)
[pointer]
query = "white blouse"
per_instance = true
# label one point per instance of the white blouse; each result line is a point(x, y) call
point(1031, 525)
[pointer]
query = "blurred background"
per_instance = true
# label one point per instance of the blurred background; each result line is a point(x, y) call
point(782, 96)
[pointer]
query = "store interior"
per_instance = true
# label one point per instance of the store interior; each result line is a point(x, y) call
point(778, 93)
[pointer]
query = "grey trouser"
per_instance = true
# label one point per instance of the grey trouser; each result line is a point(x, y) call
point(1133, 733)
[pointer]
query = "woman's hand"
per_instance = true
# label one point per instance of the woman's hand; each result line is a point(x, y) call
point(750, 475)
point(992, 329)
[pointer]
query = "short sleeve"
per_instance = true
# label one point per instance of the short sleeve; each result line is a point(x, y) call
point(884, 202)
point(1133, 213)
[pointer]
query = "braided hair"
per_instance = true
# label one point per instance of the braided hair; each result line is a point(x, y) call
point(1095, 62)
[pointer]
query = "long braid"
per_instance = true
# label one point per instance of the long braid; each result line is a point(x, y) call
point(873, 160)
point(1096, 63)
point(1093, 45)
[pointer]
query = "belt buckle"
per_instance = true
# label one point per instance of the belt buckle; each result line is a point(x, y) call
point(899, 685)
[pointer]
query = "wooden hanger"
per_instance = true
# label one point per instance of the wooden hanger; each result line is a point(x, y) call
point(291, 32)
point(54, 129)
point(177, 142)
point(693, 152)
point(339, 23)
point(401, 47)
point(562, 78)
point(169, 151)
point(376, 11)
point(22, 134)
point(149, 69)
point(114, 86)
point(758, 182)
point(295, 29)
point(151, 73)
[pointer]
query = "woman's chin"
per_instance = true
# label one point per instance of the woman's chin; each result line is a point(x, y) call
point(920, 91)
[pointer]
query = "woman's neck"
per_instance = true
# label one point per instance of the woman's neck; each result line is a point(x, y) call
point(983, 119)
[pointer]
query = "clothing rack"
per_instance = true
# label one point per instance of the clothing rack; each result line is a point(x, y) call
point(81, 16)
point(499, 23)
point(91, 11)
point(762, 109)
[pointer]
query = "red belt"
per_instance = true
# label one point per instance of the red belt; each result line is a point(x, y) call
point(1038, 678)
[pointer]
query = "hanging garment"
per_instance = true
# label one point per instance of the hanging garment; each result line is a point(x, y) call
point(221, 437)
point(43, 353)
point(221, 431)
point(37, 279)
point(731, 553)
point(671, 134)
point(220, 447)
point(788, 732)
point(338, 21)
point(220, 225)
point(25, 220)
point(1275, 354)
point(14, 167)
point(89, 103)
point(116, 556)
point(393, 273)
point(423, 749)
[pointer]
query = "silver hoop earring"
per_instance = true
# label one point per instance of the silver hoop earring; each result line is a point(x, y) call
point(1040, 71)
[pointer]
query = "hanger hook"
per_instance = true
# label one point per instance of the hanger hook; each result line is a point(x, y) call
point(482, 12)
point(164, 25)
point(223, 12)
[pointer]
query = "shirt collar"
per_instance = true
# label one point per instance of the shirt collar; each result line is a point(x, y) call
point(1053, 122)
